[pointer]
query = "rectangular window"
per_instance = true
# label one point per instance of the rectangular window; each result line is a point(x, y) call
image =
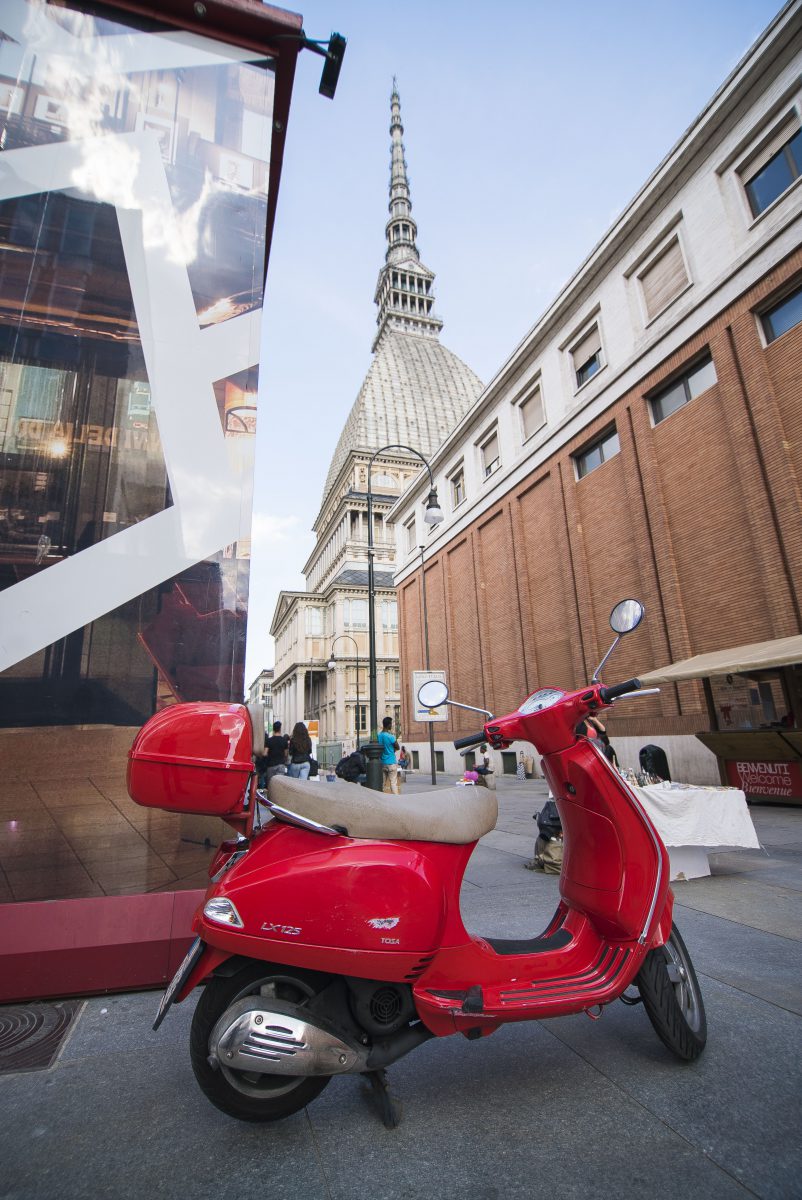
point(772, 171)
point(390, 616)
point(391, 681)
point(532, 414)
point(586, 356)
point(415, 760)
point(439, 761)
point(490, 456)
point(409, 530)
point(598, 452)
point(457, 487)
point(782, 316)
point(361, 717)
point(700, 377)
point(664, 278)
point(314, 622)
point(356, 614)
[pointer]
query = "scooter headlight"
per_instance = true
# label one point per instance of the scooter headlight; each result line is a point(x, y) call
point(223, 912)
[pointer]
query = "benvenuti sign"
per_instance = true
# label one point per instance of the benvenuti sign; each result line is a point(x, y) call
point(778, 779)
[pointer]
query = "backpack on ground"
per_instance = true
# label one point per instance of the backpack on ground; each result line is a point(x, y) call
point(351, 767)
point(548, 821)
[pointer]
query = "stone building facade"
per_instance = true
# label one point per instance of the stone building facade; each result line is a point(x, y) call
point(415, 392)
point(642, 440)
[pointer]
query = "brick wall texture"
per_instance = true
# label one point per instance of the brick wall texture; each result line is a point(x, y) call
point(700, 517)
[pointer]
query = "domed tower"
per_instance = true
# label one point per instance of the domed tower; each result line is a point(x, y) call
point(415, 392)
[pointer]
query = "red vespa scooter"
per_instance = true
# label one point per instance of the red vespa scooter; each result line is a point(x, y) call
point(330, 940)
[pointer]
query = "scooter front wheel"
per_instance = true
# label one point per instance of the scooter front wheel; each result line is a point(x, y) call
point(251, 1095)
point(673, 999)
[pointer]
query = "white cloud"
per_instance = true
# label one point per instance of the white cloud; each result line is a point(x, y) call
point(268, 530)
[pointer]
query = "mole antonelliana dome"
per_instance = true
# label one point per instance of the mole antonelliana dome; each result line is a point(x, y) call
point(416, 390)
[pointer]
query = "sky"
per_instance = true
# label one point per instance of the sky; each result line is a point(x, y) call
point(528, 127)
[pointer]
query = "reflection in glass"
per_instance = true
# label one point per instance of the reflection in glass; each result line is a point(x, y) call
point(84, 448)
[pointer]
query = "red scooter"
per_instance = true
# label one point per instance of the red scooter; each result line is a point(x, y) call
point(330, 940)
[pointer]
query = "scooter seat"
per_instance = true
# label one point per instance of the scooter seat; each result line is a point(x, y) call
point(457, 815)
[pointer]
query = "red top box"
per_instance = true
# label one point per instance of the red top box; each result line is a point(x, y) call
point(193, 758)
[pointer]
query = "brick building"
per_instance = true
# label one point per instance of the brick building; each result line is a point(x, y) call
point(643, 439)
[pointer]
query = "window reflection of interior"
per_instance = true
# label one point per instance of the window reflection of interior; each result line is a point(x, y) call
point(212, 124)
point(82, 461)
point(79, 436)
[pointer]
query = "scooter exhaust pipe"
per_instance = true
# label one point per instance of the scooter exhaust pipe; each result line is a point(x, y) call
point(281, 1039)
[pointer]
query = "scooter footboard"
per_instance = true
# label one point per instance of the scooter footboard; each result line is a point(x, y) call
point(472, 988)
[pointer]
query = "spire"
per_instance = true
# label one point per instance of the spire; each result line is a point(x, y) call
point(404, 290)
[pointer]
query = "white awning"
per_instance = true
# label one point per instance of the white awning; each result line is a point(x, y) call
point(738, 660)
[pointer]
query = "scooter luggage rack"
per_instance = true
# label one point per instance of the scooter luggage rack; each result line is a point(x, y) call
point(293, 818)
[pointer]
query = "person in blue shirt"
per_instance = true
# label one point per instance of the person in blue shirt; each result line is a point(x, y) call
point(389, 766)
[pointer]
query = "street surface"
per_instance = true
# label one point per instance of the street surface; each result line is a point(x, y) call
point(565, 1108)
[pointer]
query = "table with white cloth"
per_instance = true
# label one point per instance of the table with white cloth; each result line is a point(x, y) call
point(692, 821)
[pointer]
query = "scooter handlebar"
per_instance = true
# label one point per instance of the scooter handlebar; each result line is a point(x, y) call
point(472, 739)
point(608, 694)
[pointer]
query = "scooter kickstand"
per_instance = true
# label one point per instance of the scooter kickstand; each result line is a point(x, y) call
point(389, 1107)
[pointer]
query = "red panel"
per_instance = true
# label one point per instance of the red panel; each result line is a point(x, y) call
point(80, 947)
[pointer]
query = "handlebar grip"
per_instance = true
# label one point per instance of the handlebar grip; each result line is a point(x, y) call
point(473, 739)
point(606, 694)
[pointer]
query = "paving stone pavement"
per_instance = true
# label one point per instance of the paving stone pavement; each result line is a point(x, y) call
point(562, 1108)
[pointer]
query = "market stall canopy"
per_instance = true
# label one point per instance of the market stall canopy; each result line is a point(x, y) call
point(739, 660)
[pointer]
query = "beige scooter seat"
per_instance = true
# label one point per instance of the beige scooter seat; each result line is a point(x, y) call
point(457, 815)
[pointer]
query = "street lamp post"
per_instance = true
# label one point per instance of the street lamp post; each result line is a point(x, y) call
point(432, 516)
point(333, 664)
point(428, 665)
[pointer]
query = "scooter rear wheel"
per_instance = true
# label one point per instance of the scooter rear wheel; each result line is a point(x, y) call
point(250, 1095)
point(673, 999)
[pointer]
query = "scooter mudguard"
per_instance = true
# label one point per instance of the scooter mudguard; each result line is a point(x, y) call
point(205, 964)
point(371, 909)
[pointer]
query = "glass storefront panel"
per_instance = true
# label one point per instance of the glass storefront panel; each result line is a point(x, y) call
point(133, 201)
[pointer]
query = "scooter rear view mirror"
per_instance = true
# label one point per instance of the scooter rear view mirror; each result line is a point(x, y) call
point(432, 694)
point(626, 616)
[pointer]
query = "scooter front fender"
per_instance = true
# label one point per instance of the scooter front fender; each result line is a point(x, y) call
point(207, 964)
